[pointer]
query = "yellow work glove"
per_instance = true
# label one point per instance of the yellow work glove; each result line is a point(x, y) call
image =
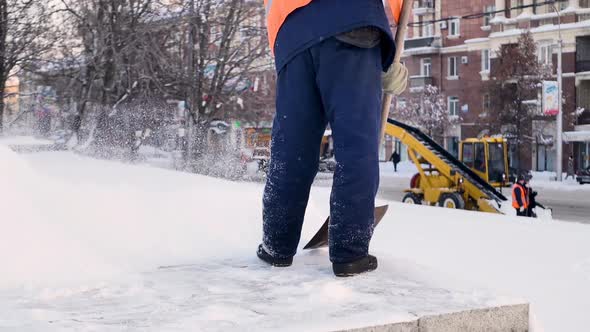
point(395, 80)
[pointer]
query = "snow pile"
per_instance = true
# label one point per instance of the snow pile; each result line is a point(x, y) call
point(507, 209)
point(34, 245)
point(405, 169)
point(83, 224)
point(24, 140)
point(547, 180)
point(17, 180)
point(545, 263)
point(111, 219)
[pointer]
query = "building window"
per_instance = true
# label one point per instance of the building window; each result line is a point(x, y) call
point(518, 5)
point(485, 60)
point(547, 21)
point(454, 106)
point(545, 54)
point(563, 5)
point(488, 17)
point(453, 70)
point(427, 29)
point(425, 67)
point(541, 9)
point(487, 102)
point(455, 27)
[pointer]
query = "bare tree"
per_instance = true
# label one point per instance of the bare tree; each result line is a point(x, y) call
point(23, 39)
point(114, 61)
point(514, 89)
point(204, 52)
point(256, 105)
point(227, 46)
point(428, 111)
point(110, 58)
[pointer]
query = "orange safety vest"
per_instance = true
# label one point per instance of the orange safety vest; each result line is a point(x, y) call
point(523, 197)
point(278, 10)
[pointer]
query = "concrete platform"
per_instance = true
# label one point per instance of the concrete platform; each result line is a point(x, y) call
point(512, 318)
point(247, 295)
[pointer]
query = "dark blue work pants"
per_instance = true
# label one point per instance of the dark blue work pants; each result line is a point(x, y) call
point(340, 84)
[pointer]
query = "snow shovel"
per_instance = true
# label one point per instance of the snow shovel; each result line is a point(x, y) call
point(320, 239)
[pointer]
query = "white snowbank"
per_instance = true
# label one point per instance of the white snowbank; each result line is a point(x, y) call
point(35, 243)
point(110, 219)
point(70, 224)
point(546, 180)
point(405, 169)
point(24, 140)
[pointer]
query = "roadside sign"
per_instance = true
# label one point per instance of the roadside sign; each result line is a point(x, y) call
point(550, 98)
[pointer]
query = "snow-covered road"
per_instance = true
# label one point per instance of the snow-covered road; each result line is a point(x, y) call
point(569, 200)
point(82, 241)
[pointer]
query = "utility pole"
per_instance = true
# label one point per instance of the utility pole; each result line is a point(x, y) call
point(559, 120)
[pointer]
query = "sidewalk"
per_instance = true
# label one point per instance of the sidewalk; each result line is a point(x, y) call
point(546, 180)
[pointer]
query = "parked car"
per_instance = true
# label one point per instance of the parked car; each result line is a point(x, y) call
point(584, 175)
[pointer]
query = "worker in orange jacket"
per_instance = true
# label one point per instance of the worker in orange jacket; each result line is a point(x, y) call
point(329, 56)
point(520, 199)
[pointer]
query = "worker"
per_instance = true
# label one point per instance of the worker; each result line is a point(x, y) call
point(531, 196)
point(329, 58)
point(520, 200)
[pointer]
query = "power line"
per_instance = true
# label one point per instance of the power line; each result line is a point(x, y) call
point(445, 19)
point(483, 14)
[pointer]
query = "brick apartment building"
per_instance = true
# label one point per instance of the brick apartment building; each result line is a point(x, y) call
point(456, 55)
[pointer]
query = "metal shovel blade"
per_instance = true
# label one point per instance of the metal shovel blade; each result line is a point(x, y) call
point(320, 239)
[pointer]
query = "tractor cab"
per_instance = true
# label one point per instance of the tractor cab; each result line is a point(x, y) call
point(488, 157)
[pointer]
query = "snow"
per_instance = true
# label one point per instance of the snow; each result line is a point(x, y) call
point(405, 169)
point(546, 180)
point(477, 40)
point(82, 241)
point(524, 16)
point(500, 18)
point(543, 28)
point(24, 140)
point(421, 50)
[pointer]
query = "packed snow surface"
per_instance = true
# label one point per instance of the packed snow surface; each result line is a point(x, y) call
point(103, 246)
point(546, 180)
point(24, 140)
point(405, 169)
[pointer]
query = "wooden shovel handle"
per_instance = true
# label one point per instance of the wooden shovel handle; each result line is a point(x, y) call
point(400, 36)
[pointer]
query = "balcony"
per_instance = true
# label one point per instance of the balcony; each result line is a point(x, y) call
point(417, 83)
point(423, 7)
point(431, 41)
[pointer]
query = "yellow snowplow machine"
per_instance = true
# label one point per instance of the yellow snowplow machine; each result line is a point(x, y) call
point(488, 158)
point(442, 179)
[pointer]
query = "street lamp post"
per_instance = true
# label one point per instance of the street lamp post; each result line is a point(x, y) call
point(559, 120)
